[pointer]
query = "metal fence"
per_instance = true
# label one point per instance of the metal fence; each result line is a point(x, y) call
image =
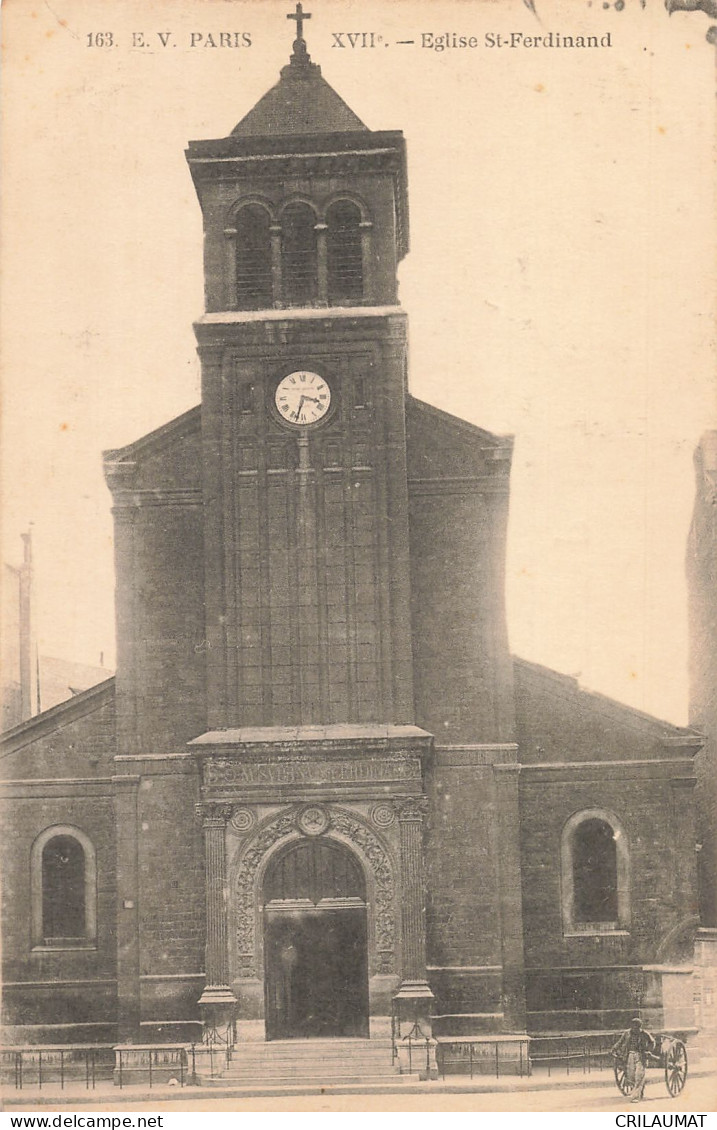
point(577, 1054)
point(483, 1057)
point(86, 1065)
point(500, 1058)
point(35, 1066)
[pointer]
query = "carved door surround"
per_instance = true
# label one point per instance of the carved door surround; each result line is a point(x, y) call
point(375, 845)
point(358, 785)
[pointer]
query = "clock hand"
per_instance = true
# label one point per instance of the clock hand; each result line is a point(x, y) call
point(298, 410)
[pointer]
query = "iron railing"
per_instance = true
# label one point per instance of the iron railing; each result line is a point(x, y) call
point(156, 1061)
point(584, 1053)
point(34, 1065)
point(483, 1057)
point(419, 1048)
point(219, 1042)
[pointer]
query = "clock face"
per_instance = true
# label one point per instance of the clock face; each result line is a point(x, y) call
point(302, 398)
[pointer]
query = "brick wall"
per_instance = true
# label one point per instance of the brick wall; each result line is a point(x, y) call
point(159, 560)
point(306, 551)
point(57, 771)
point(457, 517)
point(581, 751)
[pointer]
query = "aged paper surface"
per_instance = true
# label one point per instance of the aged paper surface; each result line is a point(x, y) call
point(559, 288)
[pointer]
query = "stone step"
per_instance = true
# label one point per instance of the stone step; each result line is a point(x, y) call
point(326, 1060)
point(393, 1078)
point(304, 1063)
point(328, 1047)
point(265, 1052)
point(312, 1062)
point(299, 1053)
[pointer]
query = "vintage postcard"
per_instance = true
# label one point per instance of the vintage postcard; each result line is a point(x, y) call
point(359, 710)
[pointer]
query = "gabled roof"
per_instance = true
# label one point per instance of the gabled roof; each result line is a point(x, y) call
point(86, 702)
point(440, 418)
point(301, 102)
point(180, 426)
point(554, 684)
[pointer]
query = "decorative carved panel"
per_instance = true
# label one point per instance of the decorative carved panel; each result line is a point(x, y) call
point(351, 827)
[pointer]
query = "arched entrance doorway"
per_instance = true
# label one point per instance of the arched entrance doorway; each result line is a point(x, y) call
point(315, 949)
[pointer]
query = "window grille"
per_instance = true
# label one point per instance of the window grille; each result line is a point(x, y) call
point(344, 254)
point(253, 258)
point(299, 260)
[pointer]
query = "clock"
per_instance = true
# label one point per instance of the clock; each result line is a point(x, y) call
point(302, 398)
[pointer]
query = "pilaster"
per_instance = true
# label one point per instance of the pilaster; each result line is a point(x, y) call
point(128, 952)
point(684, 859)
point(510, 896)
point(413, 1003)
point(322, 263)
point(217, 1001)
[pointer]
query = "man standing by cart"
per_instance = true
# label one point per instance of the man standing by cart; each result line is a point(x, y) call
point(633, 1047)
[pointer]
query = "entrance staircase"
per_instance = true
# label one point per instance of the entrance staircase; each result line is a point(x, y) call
point(331, 1062)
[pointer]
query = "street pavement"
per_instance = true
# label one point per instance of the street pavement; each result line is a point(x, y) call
point(595, 1092)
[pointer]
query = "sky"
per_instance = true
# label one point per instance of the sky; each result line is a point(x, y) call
point(559, 287)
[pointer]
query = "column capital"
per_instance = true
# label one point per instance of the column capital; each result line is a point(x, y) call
point(126, 780)
point(683, 782)
point(411, 809)
point(213, 814)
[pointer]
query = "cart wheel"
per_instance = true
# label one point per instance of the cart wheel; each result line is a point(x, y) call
point(675, 1067)
point(620, 1077)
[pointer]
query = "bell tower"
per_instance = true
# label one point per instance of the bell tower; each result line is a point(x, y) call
point(303, 354)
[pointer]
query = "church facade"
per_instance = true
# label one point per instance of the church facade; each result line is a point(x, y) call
point(320, 792)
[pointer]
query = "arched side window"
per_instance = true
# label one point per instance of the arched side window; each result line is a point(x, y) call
point(595, 873)
point(253, 258)
point(63, 888)
point(299, 258)
point(344, 254)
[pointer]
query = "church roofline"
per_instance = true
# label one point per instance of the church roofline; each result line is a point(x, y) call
point(276, 146)
point(493, 439)
point(86, 702)
point(671, 735)
point(156, 439)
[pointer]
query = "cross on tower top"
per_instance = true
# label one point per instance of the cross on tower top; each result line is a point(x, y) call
point(299, 15)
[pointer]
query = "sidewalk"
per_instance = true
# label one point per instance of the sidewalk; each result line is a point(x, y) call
point(105, 1094)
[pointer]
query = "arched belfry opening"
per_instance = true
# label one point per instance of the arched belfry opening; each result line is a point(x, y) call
point(344, 254)
point(299, 256)
point(315, 942)
point(253, 258)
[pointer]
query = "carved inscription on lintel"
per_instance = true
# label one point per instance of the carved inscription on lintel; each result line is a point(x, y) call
point(224, 771)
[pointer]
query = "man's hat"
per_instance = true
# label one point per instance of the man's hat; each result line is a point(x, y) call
point(636, 1022)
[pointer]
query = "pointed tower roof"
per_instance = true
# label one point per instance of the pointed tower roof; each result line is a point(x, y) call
point(302, 127)
point(301, 102)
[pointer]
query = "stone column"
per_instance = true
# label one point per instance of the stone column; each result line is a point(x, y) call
point(217, 1002)
point(365, 227)
point(230, 268)
point(413, 1002)
point(276, 283)
point(322, 264)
